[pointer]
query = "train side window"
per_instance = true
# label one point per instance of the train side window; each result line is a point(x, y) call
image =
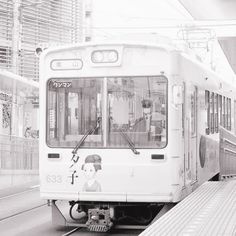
point(220, 110)
point(229, 114)
point(212, 112)
point(216, 113)
point(207, 105)
point(235, 116)
point(183, 111)
point(224, 112)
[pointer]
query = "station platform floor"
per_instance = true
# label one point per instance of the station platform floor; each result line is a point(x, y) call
point(209, 210)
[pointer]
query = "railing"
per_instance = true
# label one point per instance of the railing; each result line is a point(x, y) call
point(18, 153)
point(227, 154)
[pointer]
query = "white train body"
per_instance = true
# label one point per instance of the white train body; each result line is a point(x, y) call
point(110, 87)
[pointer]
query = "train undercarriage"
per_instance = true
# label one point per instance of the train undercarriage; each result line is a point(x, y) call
point(102, 217)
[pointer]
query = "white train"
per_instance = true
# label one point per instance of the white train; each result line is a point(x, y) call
point(127, 128)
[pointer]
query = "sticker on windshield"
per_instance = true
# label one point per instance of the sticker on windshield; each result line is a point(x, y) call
point(57, 84)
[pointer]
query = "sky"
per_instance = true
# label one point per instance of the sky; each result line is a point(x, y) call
point(113, 18)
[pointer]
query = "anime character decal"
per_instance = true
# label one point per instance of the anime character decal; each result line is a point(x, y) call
point(92, 164)
point(90, 167)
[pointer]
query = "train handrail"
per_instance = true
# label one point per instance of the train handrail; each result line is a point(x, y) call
point(229, 142)
point(229, 151)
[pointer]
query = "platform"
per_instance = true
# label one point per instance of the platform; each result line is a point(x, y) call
point(210, 210)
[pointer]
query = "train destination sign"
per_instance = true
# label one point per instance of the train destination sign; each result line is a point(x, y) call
point(67, 64)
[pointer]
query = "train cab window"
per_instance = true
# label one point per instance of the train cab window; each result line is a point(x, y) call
point(207, 105)
point(138, 109)
point(73, 109)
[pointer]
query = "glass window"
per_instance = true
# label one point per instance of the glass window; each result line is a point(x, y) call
point(216, 113)
point(234, 118)
point(224, 112)
point(212, 109)
point(220, 110)
point(137, 106)
point(194, 113)
point(207, 105)
point(74, 108)
point(229, 114)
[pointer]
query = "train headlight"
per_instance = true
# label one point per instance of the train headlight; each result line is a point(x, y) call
point(104, 56)
point(97, 57)
point(112, 56)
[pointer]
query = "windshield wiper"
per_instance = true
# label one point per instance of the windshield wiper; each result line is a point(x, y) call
point(129, 142)
point(80, 143)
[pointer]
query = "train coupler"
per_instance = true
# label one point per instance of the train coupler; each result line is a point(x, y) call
point(99, 220)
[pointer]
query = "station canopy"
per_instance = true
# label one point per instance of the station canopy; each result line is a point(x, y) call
point(16, 85)
point(220, 13)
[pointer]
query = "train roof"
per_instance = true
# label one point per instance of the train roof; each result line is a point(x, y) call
point(225, 85)
point(167, 46)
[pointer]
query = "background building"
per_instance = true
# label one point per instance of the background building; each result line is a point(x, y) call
point(25, 24)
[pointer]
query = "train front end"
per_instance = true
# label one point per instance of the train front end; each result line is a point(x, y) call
point(105, 145)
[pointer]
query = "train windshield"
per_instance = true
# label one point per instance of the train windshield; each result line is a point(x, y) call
point(128, 108)
point(74, 108)
point(137, 107)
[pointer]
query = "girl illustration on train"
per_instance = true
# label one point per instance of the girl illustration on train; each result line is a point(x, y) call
point(90, 167)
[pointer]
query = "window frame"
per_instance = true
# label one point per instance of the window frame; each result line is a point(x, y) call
point(216, 113)
point(229, 114)
point(167, 117)
point(105, 137)
point(47, 111)
point(207, 105)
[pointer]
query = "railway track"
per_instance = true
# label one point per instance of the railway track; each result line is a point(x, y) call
point(24, 205)
point(71, 232)
point(21, 212)
point(19, 203)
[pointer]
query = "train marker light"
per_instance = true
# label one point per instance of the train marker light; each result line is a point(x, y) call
point(104, 56)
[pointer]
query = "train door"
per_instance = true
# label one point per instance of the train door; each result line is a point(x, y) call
point(191, 134)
